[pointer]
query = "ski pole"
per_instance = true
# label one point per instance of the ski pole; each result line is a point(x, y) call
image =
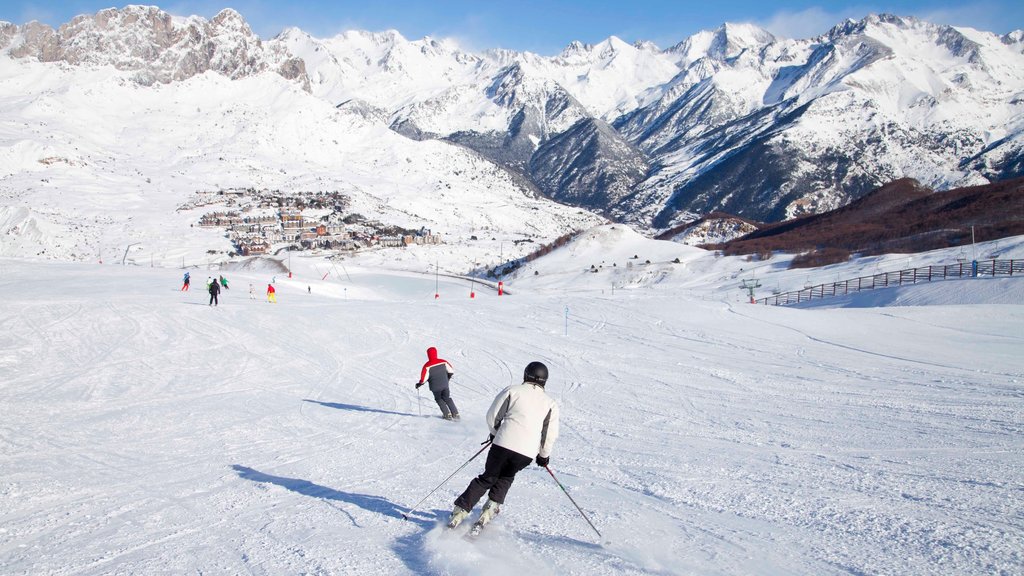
point(573, 501)
point(413, 509)
point(419, 402)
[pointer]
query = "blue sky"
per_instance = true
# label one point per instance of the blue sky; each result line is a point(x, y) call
point(546, 27)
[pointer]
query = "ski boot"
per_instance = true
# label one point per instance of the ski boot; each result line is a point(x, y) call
point(491, 509)
point(457, 516)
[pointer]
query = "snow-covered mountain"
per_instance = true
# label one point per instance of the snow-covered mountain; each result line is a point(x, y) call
point(732, 119)
point(100, 151)
point(155, 45)
point(781, 127)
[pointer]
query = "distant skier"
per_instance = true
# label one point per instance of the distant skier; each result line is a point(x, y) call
point(224, 282)
point(523, 420)
point(209, 280)
point(271, 294)
point(214, 291)
point(252, 293)
point(185, 281)
point(438, 372)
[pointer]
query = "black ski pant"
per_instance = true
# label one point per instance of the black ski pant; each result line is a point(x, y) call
point(213, 298)
point(445, 402)
point(499, 472)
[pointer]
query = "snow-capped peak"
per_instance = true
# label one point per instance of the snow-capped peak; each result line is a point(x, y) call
point(229, 19)
point(153, 45)
point(609, 48)
point(727, 41)
point(646, 45)
point(1014, 39)
point(575, 49)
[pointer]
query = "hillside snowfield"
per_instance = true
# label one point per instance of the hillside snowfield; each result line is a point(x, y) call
point(145, 432)
point(94, 162)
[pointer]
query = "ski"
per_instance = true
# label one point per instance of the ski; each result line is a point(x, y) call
point(475, 531)
point(490, 510)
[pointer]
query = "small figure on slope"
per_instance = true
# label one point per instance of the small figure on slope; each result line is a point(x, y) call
point(271, 294)
point(214, 291)
point(185, 281)
point(252, 293)
point(523, 420)
point(438, 372)
point(224, 282)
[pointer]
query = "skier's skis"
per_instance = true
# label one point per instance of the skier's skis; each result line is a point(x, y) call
point(475, 531)
point(490, 510)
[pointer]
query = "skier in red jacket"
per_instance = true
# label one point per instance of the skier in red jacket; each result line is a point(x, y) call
point(438, 372)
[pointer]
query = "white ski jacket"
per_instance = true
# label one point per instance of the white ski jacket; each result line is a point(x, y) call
point(524, 419)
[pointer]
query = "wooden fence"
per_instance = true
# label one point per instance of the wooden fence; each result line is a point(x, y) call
point(900, 278)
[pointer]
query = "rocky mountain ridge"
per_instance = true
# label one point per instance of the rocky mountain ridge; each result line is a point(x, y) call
point(903, 216)
point(158, 47)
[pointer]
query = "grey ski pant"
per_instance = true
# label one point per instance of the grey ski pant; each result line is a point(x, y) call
point(445, 402)
point(499, 472)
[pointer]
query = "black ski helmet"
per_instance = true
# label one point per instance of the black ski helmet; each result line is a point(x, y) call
point(536, 372)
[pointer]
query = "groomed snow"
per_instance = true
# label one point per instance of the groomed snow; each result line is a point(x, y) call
point(144, 432)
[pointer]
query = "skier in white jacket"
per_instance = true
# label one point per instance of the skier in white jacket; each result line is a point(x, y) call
point(523, 422)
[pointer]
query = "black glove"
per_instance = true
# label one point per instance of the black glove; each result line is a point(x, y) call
point(490, 438)
point(418, 384)
point(542, 461)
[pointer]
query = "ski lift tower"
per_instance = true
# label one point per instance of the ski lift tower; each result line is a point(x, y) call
point(749, 286)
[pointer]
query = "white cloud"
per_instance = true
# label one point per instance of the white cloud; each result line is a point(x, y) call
point(988, 16)
point(808, 23)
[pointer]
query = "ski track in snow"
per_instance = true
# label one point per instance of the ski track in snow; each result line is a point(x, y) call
point(146, 432)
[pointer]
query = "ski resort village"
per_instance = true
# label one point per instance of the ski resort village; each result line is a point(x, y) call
point(283, 295)
point(258, 221)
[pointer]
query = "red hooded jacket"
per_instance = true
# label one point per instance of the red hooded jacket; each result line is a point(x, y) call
point(437, 369)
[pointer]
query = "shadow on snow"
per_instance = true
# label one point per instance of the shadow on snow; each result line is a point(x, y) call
point(355, 408)
point(409, 548)
point(305, 487)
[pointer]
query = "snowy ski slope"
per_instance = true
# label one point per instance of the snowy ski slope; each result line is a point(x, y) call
point(144, 432)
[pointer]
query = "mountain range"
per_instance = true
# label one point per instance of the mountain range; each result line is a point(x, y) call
point(901, 217)
point(733, 119)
